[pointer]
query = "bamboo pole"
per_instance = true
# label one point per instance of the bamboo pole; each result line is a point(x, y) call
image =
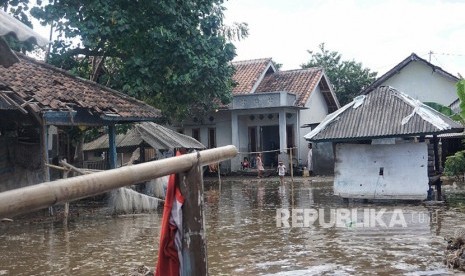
point(27, 199)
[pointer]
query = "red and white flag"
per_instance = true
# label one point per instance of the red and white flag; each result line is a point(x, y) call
point(170, 251)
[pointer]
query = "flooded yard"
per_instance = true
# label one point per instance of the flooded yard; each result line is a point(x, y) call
point(248, 233)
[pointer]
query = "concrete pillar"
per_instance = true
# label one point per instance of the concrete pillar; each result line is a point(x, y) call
point(282, 137)
point(236, 161)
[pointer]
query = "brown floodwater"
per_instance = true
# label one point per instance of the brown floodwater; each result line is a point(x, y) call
point(244, 238)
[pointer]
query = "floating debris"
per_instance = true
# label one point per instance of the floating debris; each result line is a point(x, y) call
point(455, 257)
point(141, 270)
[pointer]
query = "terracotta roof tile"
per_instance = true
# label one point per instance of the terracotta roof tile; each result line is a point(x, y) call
point(55, 89)
point(248, 73)
point(299, 82)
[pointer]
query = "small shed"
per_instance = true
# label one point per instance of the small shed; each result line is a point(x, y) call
point(380, 147)
point(35, 98)
point(138, 143)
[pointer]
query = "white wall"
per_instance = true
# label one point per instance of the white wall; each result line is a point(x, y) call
point(405, 169)
point(316, 112)
point(420, 82)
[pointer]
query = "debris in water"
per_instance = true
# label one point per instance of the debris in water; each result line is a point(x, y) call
point(140, 270)
point(455, 257)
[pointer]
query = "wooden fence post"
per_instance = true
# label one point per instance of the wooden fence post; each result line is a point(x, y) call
point(194, 251)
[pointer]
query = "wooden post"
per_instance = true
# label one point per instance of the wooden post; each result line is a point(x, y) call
point(292, 167)
point(66, 211)
point(219, 179)
point(436, 167)
point(44, 144)
point(194, 251)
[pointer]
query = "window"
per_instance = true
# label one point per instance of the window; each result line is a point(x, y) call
point(196, 134)
point(211, 138)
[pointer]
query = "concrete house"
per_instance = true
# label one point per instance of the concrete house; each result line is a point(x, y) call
point(381, 150)
point(267, 113)
point(421, 80)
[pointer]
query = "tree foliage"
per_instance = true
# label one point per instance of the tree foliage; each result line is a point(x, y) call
point(171, 54)
point(348, 78)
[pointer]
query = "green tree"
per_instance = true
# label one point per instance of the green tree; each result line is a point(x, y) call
point(348, 78)
point(172, 54)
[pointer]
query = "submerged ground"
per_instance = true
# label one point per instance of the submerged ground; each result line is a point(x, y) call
point(244, 236)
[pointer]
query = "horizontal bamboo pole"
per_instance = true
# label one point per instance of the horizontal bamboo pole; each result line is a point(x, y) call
point(30, 198)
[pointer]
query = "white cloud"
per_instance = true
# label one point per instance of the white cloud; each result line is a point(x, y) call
point(379, 34)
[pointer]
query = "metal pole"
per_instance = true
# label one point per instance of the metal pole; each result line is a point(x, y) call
point(27, 199)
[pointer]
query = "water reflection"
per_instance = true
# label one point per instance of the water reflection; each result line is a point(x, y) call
point(243, 237)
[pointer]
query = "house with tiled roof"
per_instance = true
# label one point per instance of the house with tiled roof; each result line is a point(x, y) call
point(38, 105)
point(267, 113)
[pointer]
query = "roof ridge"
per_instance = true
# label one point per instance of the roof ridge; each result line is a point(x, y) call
point(248, 61)
point(312, 69)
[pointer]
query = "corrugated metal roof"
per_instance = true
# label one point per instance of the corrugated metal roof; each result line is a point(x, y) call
point(385, 112)
point(10, 25)
point(161, 137)
point(156, 136)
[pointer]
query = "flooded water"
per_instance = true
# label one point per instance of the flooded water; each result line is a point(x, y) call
point(244, 237)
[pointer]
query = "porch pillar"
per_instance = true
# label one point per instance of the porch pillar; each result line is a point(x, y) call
point(112, 157)
point(236, 161)
point(44, 147)
point(282, 137)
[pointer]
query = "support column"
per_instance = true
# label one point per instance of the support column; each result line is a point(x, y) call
point(236, 161)
point(194, 245)
point(283, 138)
point(44, 142)
point(112, 157)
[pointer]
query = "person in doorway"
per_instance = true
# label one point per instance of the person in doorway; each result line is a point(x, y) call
point(260, 167)
point(310, 159)
point(281, 172)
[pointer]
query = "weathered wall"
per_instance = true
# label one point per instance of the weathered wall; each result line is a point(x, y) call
point(323, 158)
point(19, 164)
point(422, 83)
point(396, 171)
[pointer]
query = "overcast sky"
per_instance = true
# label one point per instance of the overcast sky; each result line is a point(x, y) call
point(377, 33)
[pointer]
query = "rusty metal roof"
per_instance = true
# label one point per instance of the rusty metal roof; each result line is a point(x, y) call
point(43, 87)
point(383, 113)
point(157, 136)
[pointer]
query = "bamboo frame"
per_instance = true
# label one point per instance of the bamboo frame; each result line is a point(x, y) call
point(27, 199)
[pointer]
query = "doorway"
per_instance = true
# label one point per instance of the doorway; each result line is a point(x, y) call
point(270, 142)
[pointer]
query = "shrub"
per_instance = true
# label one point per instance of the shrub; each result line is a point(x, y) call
point(455, 164)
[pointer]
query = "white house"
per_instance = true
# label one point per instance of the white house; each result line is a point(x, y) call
point(267, 113)
point(380, 146)
point(420, 80)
